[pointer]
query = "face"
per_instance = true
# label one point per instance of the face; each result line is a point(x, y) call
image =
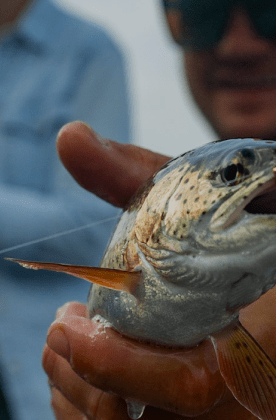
point(234, 84)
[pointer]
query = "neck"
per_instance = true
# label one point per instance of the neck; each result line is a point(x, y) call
point(10, 10)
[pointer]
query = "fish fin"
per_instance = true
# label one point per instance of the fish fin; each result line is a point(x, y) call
point(247, 370)
point(126, 281)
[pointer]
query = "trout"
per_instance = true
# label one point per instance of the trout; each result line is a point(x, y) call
point(196, 244)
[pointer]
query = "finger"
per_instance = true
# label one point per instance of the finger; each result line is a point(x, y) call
point(72, 309)
point(111, 362)
point(74, 397)
point(63, 409)
point(111, 170)
point(259, 319)
point(84, 398)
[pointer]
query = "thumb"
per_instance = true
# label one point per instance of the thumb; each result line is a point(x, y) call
point(111, 170)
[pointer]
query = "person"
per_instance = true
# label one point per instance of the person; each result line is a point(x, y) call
point(230, 67)
point(54, 68)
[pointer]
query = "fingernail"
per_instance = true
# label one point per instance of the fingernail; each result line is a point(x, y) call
point(58, 342)
point(102, 140)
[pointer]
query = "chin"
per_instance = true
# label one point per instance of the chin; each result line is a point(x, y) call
point(244, 127)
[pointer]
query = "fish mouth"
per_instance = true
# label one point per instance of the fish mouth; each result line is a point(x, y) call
point(261, 201)
point(265, 201)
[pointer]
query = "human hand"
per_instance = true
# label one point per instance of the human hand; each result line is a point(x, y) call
point(98, 361)
point(97, 364)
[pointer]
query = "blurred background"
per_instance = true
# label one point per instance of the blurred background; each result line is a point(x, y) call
point(164, 116)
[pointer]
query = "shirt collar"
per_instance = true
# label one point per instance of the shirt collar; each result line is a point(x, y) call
point(38, 26)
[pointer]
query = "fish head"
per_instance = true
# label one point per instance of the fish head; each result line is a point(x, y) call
point(209, 219)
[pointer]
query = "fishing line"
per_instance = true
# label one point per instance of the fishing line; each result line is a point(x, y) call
point(56, 235)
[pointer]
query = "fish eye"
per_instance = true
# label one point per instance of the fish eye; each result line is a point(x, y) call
point(229, 173)
point(233, 174)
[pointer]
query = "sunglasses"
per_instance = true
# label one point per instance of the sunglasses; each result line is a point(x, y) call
point(200, 24)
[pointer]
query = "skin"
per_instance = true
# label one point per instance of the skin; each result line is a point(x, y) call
point(232, 83)
point(10, 10)
point(88, 367)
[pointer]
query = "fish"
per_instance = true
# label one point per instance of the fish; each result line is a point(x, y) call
point(196, 244)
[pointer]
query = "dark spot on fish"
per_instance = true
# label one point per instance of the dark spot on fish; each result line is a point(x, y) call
point(196, 199)
point(248, 359)
point(192, 187)
point(260, 184)
point(188, 211)
point(175, 232)
point(185, 201)
point(244, 345)
point(186, 181)
point(181, 236)
point(205, 202)
point(238, 345)
point(204, 212)
point(213, 202)
point(178, 197)
point(210, 190)
point(212, 175)
point(245, 197)
point(163, 216)
point(248, 155)
point(184, 225)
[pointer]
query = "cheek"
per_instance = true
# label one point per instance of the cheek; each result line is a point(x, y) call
point(196, 68)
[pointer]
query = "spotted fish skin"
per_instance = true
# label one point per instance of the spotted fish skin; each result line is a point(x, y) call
point(202, 255)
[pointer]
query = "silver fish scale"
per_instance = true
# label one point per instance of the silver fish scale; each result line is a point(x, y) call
point(202, 255)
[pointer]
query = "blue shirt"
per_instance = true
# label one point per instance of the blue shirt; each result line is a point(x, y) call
point(54, 69)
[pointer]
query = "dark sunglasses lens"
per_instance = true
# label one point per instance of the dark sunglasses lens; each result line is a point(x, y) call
point(201, 23)
point(198, 24)
point(263, 15)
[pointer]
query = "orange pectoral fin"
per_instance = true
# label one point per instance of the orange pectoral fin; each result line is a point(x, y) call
point(126, 281)
point(247, 370)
